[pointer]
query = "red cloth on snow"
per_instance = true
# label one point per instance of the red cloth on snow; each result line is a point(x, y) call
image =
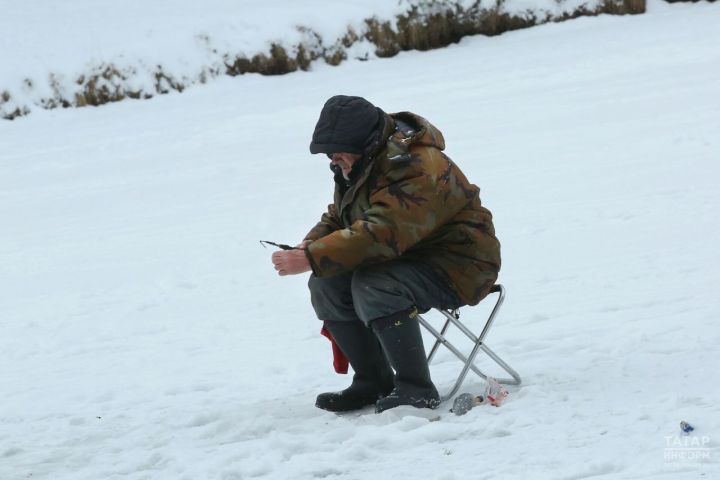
point(340, 361)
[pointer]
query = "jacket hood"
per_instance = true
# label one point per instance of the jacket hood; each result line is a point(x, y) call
point(346, 124)
point(416, 130)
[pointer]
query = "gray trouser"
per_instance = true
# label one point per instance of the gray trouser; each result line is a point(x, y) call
point(380, 290)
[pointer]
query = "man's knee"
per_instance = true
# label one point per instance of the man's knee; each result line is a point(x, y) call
point(378, 292)
point(335, 286)
point(315, 284)
point(331, 298)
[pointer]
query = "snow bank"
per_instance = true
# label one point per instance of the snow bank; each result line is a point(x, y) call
point(85, 53)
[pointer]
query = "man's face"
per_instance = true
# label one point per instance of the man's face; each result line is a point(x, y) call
point(345, 161)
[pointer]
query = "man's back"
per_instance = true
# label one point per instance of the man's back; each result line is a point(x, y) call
point(411, 201)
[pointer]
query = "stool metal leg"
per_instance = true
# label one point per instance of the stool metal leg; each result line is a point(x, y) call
point(478, 346)
point(435, 347)
point(468, 361)
point(515, 380)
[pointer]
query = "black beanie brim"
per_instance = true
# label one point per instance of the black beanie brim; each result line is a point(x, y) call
point(330, 148)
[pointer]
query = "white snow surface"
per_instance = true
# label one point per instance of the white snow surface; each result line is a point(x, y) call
point(48, 49)
point(145, 334)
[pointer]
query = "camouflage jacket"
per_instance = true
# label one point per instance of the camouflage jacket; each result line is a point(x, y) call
point(410, 201)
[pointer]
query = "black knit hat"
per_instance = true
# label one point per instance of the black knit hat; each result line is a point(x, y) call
point(346, 124)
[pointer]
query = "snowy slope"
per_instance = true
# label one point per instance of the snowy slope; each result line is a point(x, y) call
point(69, 53)
point(145, 334)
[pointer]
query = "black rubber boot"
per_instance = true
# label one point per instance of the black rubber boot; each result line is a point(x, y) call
point(400, 337)
point(373, 377)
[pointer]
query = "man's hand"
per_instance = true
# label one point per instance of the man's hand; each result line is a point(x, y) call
point(291, 262)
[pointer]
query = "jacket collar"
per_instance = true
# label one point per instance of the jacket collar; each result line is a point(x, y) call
point(358, 176)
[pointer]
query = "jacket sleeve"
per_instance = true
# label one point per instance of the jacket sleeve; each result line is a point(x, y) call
point(416, 197)
point(328, 223)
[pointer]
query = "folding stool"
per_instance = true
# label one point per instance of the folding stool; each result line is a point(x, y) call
point(453, 316)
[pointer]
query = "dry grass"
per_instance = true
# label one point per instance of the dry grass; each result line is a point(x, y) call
point(414, 30)
point(5, 98)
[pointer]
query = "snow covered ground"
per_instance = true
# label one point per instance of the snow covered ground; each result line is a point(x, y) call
point(52, 53)
point(145, 335)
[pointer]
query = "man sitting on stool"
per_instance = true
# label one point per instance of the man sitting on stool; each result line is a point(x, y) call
point(406, 233)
